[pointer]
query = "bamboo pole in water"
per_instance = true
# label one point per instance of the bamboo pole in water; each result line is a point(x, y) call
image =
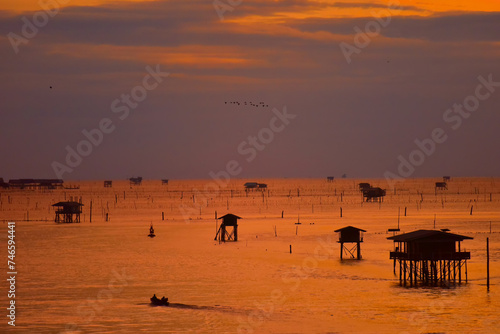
point(488, 264)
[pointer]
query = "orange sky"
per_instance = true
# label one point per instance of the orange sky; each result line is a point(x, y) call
point(430, 6)
point(33, 5)
point(269, 21)
point(369, 105)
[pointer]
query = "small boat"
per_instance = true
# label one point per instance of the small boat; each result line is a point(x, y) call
point(151, 232)
point(159, 302)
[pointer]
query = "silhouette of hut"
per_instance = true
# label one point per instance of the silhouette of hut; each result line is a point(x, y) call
point(254, 185)
point(441, 186)
point(3, 184)
point(164, 181)
point(330, 178)
point(108, 184)
point(446, 178)
point(223, 233)
point(372, 194)
point(136, 181)
point(362, 186)
point(68, 212)
point(36, 183)
point(350, 234)
point(429, 257)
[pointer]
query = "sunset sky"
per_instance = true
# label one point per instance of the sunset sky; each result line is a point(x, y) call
point(357, 115)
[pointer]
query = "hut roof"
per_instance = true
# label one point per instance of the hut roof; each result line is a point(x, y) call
point(428, 234)
point(349, 228)
point(68, 204)
point(230, 215)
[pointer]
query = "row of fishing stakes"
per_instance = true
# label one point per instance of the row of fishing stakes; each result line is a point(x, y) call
point(106, 214)
point(422, 268)
point(439, 186)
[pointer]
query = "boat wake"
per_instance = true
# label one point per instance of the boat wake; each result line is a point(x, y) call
point(218, 308)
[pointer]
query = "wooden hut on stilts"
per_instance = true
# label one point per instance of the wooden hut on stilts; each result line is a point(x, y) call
point(429, 257)
point(350, 234)
point(223, 233)
point(68, 212)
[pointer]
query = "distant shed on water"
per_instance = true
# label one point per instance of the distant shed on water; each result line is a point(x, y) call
point(136, 181)
point(36, 183)
point(441, 186)
point(3, 184)
point(254, 185)
point(363, 185)
point(68, 212)
point(251, 185)
point(374, 194)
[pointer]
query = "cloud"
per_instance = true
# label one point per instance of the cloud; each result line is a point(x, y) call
point(374, 5)
point(476, 27)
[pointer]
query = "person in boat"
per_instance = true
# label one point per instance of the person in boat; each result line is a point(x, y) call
point(154, 299)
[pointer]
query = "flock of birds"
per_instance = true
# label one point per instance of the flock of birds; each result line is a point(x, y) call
point(245, 103)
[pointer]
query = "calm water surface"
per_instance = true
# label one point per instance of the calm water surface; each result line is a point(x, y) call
point(98, 277)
